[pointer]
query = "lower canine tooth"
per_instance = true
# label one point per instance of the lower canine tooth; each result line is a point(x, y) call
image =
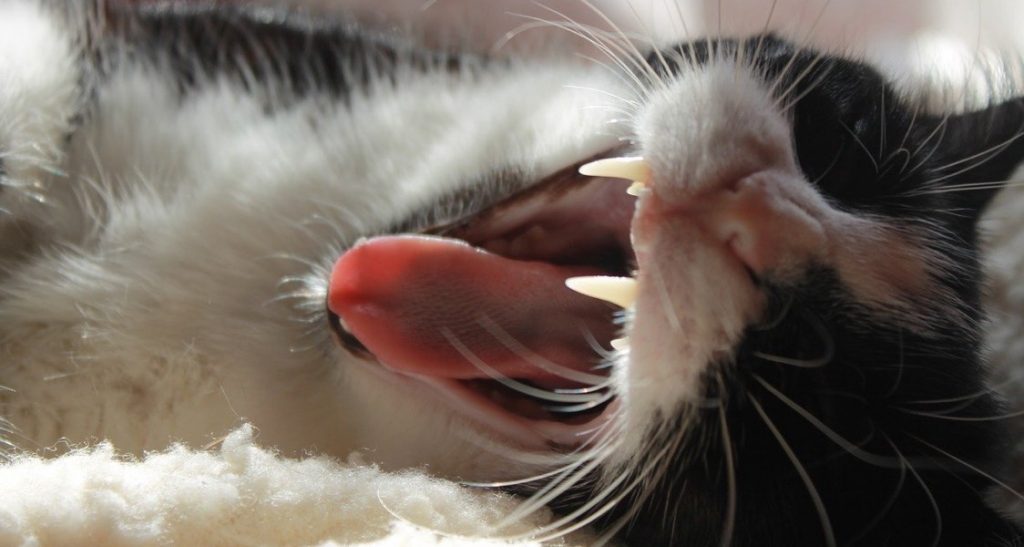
point(620, 291)
point(620, 344)
point(635, 188)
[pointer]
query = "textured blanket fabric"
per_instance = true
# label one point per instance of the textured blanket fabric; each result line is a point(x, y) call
point(239, 495)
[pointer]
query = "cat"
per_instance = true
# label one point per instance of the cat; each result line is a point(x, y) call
point(722, 292)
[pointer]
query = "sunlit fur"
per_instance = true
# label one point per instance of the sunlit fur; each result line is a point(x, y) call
point(170, 243)
point(178, 250)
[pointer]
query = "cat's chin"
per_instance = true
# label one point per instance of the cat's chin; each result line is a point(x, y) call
point(507, 263)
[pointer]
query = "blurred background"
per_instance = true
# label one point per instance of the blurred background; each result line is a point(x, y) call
point(950, 48)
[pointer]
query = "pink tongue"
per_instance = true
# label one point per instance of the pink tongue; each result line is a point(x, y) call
point(412, 300)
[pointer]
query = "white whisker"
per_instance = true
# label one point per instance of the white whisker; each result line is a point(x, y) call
point(553, 490)
point(938, 416)
point(670, 312)
point(494, 374)
point(927, 492)
point(890, 502)
point(819, 505)
point(595, 381)
point(854, 450)
point(730, 476)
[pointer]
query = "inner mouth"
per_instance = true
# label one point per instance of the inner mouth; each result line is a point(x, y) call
point(479, 309)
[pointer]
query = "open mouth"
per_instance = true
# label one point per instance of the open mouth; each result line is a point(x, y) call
point(479, 309)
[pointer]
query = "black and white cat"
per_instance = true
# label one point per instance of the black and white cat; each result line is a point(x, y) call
point(214, 213)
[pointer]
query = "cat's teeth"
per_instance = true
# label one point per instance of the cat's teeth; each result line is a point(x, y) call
point(620, 291)
point(635, 188)
point(634, 169)
point(621, 344)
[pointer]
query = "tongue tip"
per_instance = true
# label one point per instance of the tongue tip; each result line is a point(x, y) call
point(383, 265)
point(344, 285)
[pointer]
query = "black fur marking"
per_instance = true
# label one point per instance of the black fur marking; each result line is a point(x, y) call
point(914, 404)
point(294, 54)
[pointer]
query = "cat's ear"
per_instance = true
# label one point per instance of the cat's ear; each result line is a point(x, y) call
point(974, 153)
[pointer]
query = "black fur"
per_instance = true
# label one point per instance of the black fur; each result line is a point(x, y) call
point(293, 54)
point(916, 479)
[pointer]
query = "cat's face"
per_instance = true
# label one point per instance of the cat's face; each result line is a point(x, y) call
point(795, 318)
point(790, 355)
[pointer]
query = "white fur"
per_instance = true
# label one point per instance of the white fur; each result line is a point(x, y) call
point(163, 309)
point(38, 98)
point(182, 289)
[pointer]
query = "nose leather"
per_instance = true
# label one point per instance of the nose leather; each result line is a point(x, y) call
point(773, 221)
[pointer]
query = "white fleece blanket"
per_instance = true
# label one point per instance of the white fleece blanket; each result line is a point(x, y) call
point(240, 494)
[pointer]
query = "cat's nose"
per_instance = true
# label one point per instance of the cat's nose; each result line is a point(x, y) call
point(772, 220)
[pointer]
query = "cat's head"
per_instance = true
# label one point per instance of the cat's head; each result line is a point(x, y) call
point(797, 351)
point(806, 240)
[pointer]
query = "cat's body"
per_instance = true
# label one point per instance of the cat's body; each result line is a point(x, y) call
point(179, 184)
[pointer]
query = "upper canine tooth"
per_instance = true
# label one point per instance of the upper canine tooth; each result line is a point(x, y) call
point(619, 168)
point(620, 291)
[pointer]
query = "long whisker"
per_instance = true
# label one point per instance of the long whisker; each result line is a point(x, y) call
point(546, 495)
point(900, 369)
point(981, 158)
point(939, 135)
point(604, 354)
point(661, 81)
point(641, 61)
point(974, 468)
point(789, 361)
point(596, 381)
point(927, 492)
point(730, 477)
point(560, 524)
point(525, 389)
point(776, 321)
point(826, 358)
point(785, 96)
point(591, 36)
point(938, 416)
point(582, 407)
point(854, 450)
point(888, 505)
point(648, 473)
point(629, 51)
point(670, 312)
point(994, 388)
point(561, 471)
point(819, 505)
point(548, 460)
point(969, 187)
point(860, 143)
point(792, 61)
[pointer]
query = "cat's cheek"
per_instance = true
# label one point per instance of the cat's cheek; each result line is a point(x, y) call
point(886, 268)
point(693, 304)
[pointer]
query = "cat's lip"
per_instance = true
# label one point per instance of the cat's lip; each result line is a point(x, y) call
point(529, 433)
point(472, 403)
point(587, 222)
